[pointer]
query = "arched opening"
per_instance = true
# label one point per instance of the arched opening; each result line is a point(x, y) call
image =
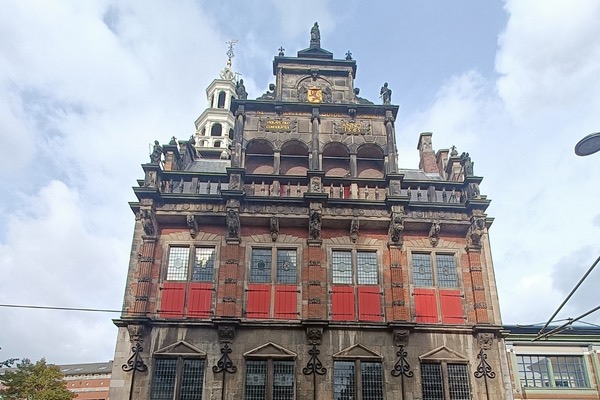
point(294, 158)
point(370, 161)
point(216, 130)
point(221, 100)
point(336, 160)
point(217, 143)
point(259, 157)
point(203, 133)
point(231, 134)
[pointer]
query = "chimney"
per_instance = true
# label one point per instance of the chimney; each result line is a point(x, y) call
point(427, 159)
point(442, 160)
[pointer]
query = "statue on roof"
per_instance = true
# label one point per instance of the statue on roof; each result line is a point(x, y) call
point(315, 36)
point(240, 90)
point(156, 153)
point(386, 94)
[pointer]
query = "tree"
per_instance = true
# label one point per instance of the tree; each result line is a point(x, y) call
point(38, 381)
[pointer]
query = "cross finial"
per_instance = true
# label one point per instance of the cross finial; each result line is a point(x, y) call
point(348, 55)
point(281, 51)
point(230, 53)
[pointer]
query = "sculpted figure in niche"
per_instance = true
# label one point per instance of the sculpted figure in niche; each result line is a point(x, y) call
point(233, 224)
point(385, 94)
point(302, 93)
point(314, 228)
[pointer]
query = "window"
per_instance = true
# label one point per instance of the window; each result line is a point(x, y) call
point(189, 282)
point(355, 286)
point(445, 381)
point(216, 130)
point(177, 378)
point(221, 100)
point(552, 371)
point(273, 284)
point(368, 385)
point(436, 294)
point(269, 380)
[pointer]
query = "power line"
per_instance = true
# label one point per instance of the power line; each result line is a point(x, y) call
point(60, 308)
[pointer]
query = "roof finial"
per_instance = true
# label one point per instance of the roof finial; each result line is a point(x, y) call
point(230, 53)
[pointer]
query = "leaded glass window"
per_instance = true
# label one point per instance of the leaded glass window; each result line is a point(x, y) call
point(432, 382)
point(367, 267)
point(260, 269)
point(177, 268)
point(347, 386)
point(165, 379)
point(342, 267)
point(422, 271)
point(446, 270)
point(286, 266)
point(372, 380)
point(444, 265)
point(344, 380)
point(204, 264)
point(269, 379)
point(445, 381)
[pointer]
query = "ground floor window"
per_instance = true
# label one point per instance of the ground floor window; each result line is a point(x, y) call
point(552, 371)
point(367, 384)
point(445, 381)
point(177, 379)
point(269, 380)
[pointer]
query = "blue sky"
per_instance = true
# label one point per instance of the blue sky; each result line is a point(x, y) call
point(85, 87)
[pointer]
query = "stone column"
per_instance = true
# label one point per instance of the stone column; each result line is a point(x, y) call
point(390, 131)
point(238, 133)
point(276, 162)
point(353, 166)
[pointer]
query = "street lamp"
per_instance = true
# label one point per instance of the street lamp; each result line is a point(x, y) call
point(588, 145)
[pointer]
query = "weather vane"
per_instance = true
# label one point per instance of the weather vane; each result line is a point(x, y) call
point(230, 53)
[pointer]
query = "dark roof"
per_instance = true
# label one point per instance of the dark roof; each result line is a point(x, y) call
point(87, 368)
point(208, 165)
point(419, 175)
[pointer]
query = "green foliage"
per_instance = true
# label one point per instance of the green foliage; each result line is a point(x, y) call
point(38, 381)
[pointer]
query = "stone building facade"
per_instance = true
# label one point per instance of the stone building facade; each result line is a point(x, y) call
point(306, 264)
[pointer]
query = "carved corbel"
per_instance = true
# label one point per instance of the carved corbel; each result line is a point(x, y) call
point(354, 227)
point(314, 335)
point(226, 333)
point(274, 226)
point(396, 227)
point(434, 233)
point(192, 224)
point(476, 231)
point(148, 221)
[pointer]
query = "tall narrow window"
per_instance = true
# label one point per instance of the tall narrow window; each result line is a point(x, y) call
point(177, 378)
point(355, 286)
point(188, 287)
point(273, 284)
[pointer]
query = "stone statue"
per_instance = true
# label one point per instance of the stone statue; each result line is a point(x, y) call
point(240, 90)
point(302, 93)
point(467, 164)
point(156, 153)
point(386, 94)
point(270, 94)
point(328, 94)
point(396, 227)
point(274, 227)
point(233, 224)
point(434, 233)
point(315, 36)
point(314, 227)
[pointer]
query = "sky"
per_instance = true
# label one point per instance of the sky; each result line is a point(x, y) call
point(85, 87)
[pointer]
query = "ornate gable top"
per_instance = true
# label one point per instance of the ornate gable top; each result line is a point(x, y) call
point(443, 353)
point(271, 350)
point(181, 348)
point(357, 351)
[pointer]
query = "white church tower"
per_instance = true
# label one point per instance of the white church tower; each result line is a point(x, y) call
point(214, 127)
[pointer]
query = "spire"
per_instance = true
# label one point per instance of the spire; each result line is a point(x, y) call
point(227, 73)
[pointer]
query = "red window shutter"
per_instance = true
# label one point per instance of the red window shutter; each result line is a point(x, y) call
point(259, 301)
point(342, 303)
point(346, 192)
point(286, 301)
point(199, 303)
point(171, 304)
point(451, 305)
point(425, 306)
point(369, 303)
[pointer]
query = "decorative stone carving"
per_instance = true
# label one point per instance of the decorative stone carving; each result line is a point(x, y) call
point(396, 227)
point(234, 182)
point(395, 188)
point(274, 227)
point(302, 93)
point(473, 191)
point(315, 36)
point(226, 333)
point(147, 221)
point(476, 231)
point(233, 224)
point(240, 90)
point(354, 227)
point(401, 337)
point(315, 184)
point(150, 179)
point(192, 224)
point(314, 227)
point(434, 233)
point(314, 335)
point(485, 340)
